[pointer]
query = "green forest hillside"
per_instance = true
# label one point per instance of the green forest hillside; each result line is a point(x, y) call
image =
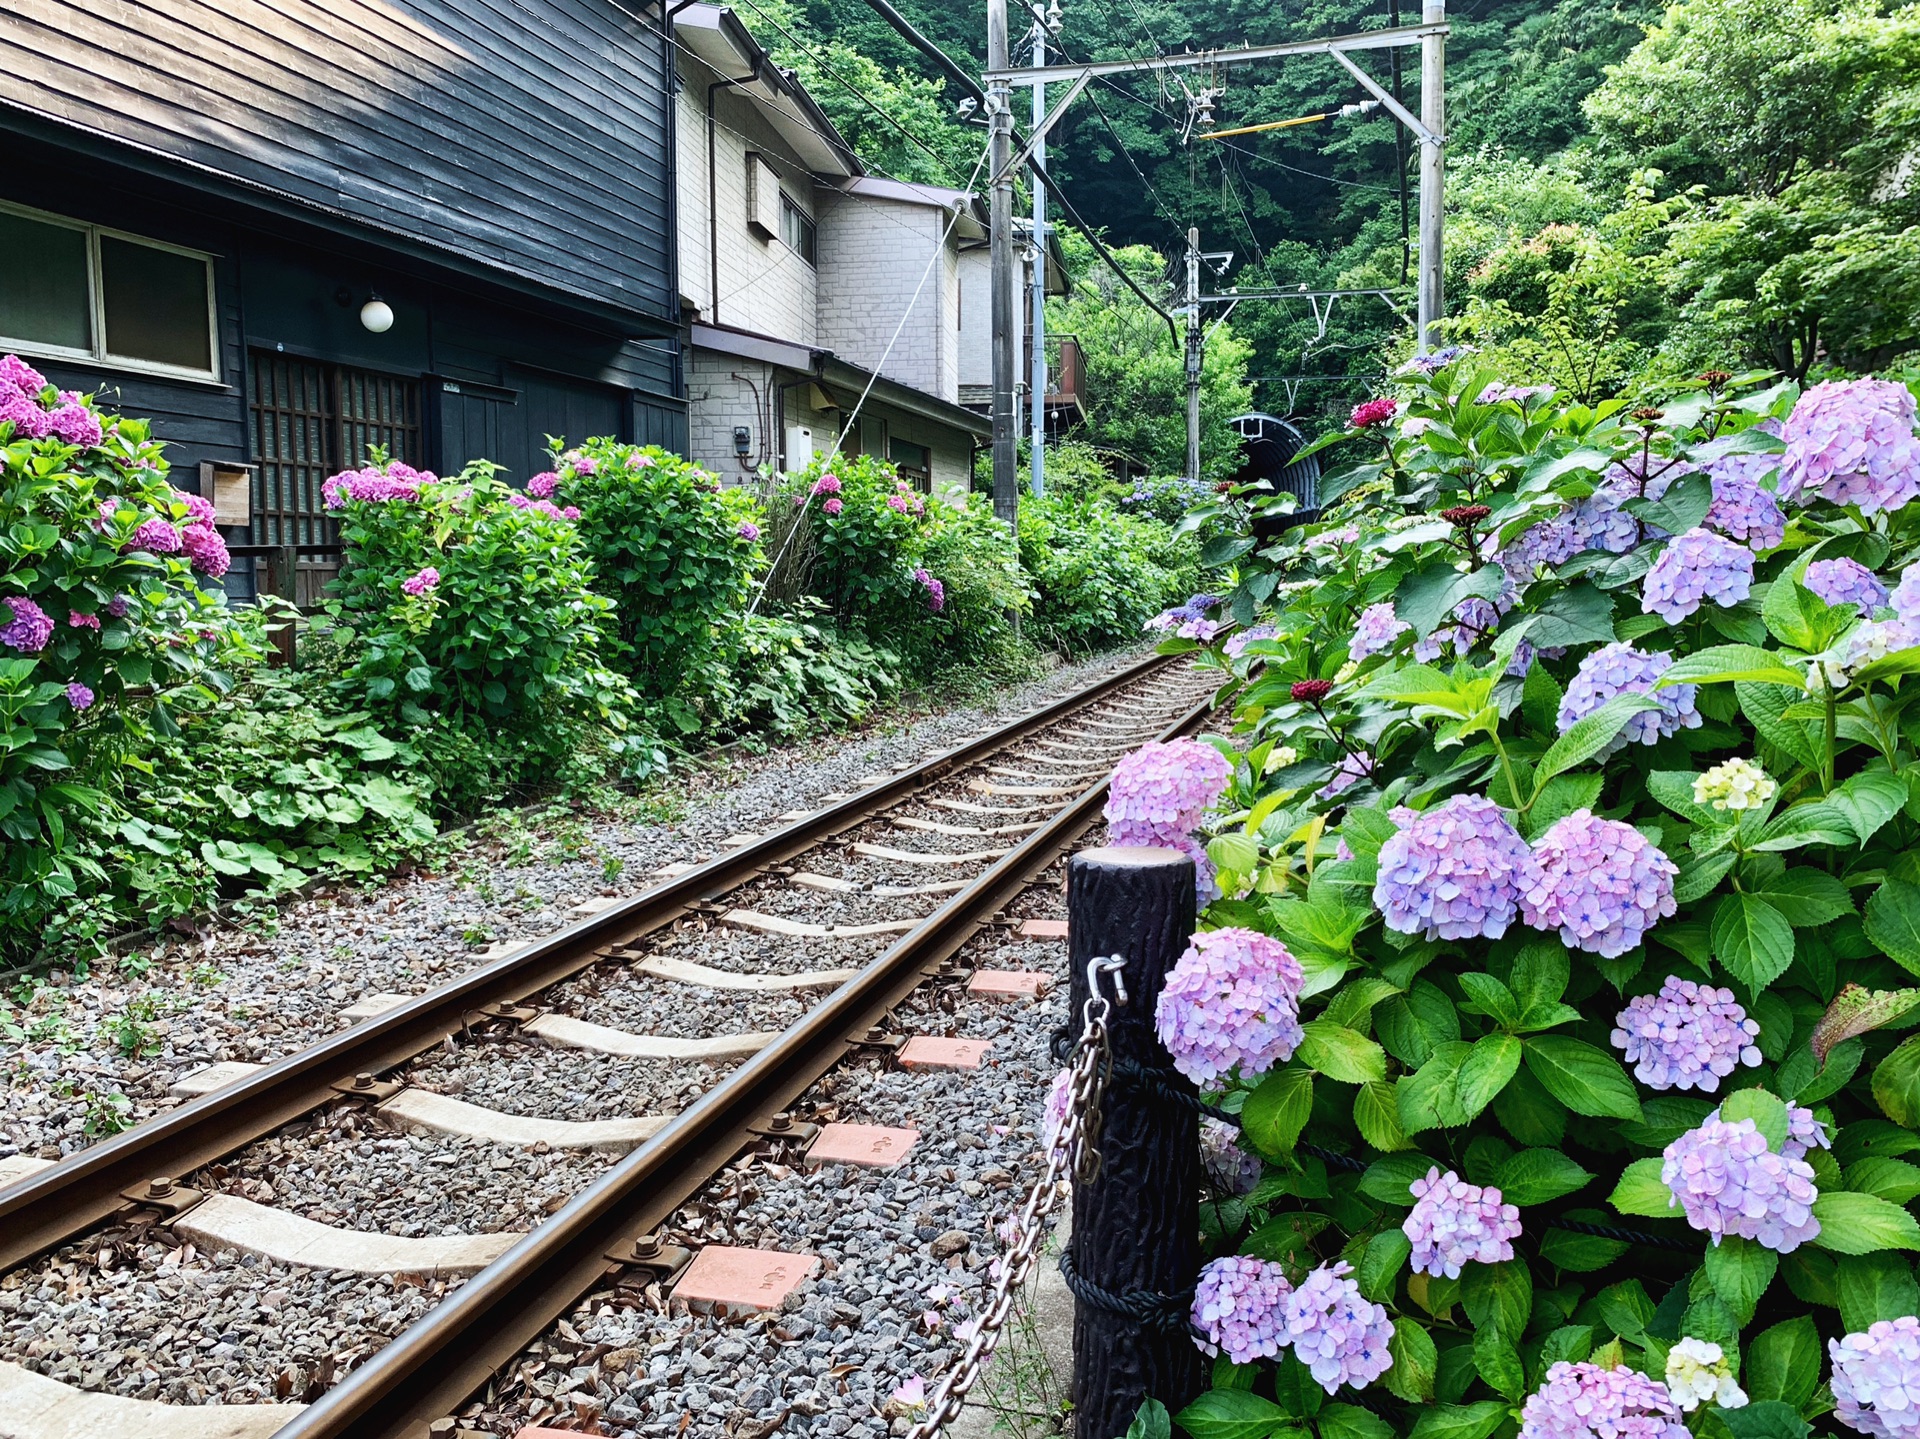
point(1634, 194)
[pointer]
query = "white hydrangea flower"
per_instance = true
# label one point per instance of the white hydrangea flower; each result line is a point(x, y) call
point(1698, 1373)
point(1736, 785)
point(1279, 757)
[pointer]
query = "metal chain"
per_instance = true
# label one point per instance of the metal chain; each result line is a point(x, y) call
point(1075, 1146)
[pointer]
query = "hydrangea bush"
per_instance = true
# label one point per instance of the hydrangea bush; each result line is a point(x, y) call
point(1563, 962)
point(109, 621)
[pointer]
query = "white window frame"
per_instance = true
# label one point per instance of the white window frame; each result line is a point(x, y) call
point(97, 309)
point(807, 222)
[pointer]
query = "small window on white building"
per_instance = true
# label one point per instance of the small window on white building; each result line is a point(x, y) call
point(84, 293)
point(915, 464)
point(796, 229)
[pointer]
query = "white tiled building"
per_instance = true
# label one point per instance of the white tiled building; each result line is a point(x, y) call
point(808, 282)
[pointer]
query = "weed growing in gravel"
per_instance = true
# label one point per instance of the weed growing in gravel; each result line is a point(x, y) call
point(611, 868)
point(207, 975)
point(132, 1030)
point(477, 937)
point(107, 1114)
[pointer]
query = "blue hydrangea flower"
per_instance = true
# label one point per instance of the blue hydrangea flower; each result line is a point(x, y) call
point(1846, 582)
point(1600, 882)
point(1618, 669)
point(1696, 566)
point(1727, 1181)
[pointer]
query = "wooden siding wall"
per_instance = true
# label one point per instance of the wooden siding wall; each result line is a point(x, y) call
point(529, 136)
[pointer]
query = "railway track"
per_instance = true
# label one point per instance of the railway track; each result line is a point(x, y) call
point(896, 878)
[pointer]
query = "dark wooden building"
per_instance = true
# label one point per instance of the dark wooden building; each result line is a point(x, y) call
point(288, 229)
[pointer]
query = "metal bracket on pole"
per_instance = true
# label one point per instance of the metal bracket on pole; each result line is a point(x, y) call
point(1365, 40)
point(1399, 112)
point(1039, 134)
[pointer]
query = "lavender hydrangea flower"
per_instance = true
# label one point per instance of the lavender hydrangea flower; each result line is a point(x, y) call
point(1852, 442)
point(1727, 1181)
point(1229, 1169)
point(30, 628)
point(1170, 784)
point(1743, 511)
point(1375, 631)
point(1340, 1336)
point(1600, 882)
point(1236, 644)
point(1876, 1378)
point(79, 696)
point(1232, 1001)
point(1696, 566)
point(1586, 1401)
point(1905, 598)
point(1688, 1036)
point(1549, 543)
point(1454, 1223)
point(1598, 523)
point(1845, 582)
point(1618, 669)
point(748, 531)
point(1452, 872)
point(1238, 1306)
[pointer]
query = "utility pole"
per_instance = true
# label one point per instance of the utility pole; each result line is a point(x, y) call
point(1433, 169)
point(1006, 335)
point(1037, 363)
point(1193, 354)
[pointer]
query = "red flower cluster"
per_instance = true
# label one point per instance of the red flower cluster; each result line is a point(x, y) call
point(1461, 516)
point(1373, 412)
point(1312, 691)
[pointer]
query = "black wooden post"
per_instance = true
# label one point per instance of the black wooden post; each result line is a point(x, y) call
point(1136, 1226)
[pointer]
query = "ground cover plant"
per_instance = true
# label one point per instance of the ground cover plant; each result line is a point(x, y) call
point(1561, 917)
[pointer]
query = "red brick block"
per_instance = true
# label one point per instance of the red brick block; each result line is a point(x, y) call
point(1043, 929)
point(742, 1281)
point(1009, 983)
point(877, 1146)
point(924, 1051)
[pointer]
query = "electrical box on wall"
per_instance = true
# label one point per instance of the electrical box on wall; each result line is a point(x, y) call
point(799, 447)
point(763, 198)
point(230, 489)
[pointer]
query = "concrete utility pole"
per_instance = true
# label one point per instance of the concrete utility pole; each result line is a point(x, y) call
point(1193, 354)
point(1006, 336)
point(1037, 367)
point(1433, 169)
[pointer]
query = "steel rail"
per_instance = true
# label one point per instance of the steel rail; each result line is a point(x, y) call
point(57, 1205)
point(450, 1353)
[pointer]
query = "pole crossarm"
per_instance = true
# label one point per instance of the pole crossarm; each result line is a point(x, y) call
point(1233, 297)
point(1385, 97)
point(1331, 45)
point(1039, 135)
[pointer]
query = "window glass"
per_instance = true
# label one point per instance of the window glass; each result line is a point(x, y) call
point(43, 285)
point(155, 304)
point(914, 462)
point(797, 230)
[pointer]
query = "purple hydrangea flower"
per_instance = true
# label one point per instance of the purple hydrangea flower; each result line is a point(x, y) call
point(1696, 566)
point(75, 424)
point(1598, 523)
point(748, 531)
point(205, 550)
point(1232, 1001)
point(1236, 644)
point(936, 592)
point(397, 482)
point(1351, 769)
point(157, 536)
point(542, 485)
point(118, 606)
point(1170, 784)
point(1876, 1378)
point(1340, 1336)
point(1852, 442)
point(1434, 361)
point(1452, 872)
point(1497, 393)
point(1455, 1223)
point(1549, 543)
point(1600, 882)
point(1846, 582)
point(1688, 1036)
point(1743, 511)
point(420, 583)
point(1228, 1168)
point(1375, 631)
point(79, 696)
point(79, 620)
point(1618, 669)
point(1728, 1182)
point(30, 628)
point(1238, 1307)
point(1586, 1401)
point(1905, 598)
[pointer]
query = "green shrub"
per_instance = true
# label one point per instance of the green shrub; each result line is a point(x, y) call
point(799, 675)
point(1100, 575)
point(864, 531)
point(469, 602)
point(984, 595)
point(676, 552)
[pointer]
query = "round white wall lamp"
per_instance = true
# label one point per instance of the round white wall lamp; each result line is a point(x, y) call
point(376, 315)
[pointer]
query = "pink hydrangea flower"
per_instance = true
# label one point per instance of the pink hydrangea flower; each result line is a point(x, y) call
point(17, 373)
point(30, 628)
point(29, 420)
point(1053, 1121)
point(421, 583)
point(1454, 1223)
point(936, 592)
point(1600, 882)
point(1452, 872)
point(1727, 1181)
point(1876, 1378)
point(833, 505)
point(78, 621)
point(75, 424)
point(1696, 566)
point(1337, 1333)
point(1238, 1308)
point(1373, 412)
point(541, 486)
point(205, 550)
point(1231, 1002)
point(1852, 442)
point(1171, 783)
point(199, 510)
point(156, 536)
point(826, 485)
point(1688, 1036)
point(1586, 1401)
